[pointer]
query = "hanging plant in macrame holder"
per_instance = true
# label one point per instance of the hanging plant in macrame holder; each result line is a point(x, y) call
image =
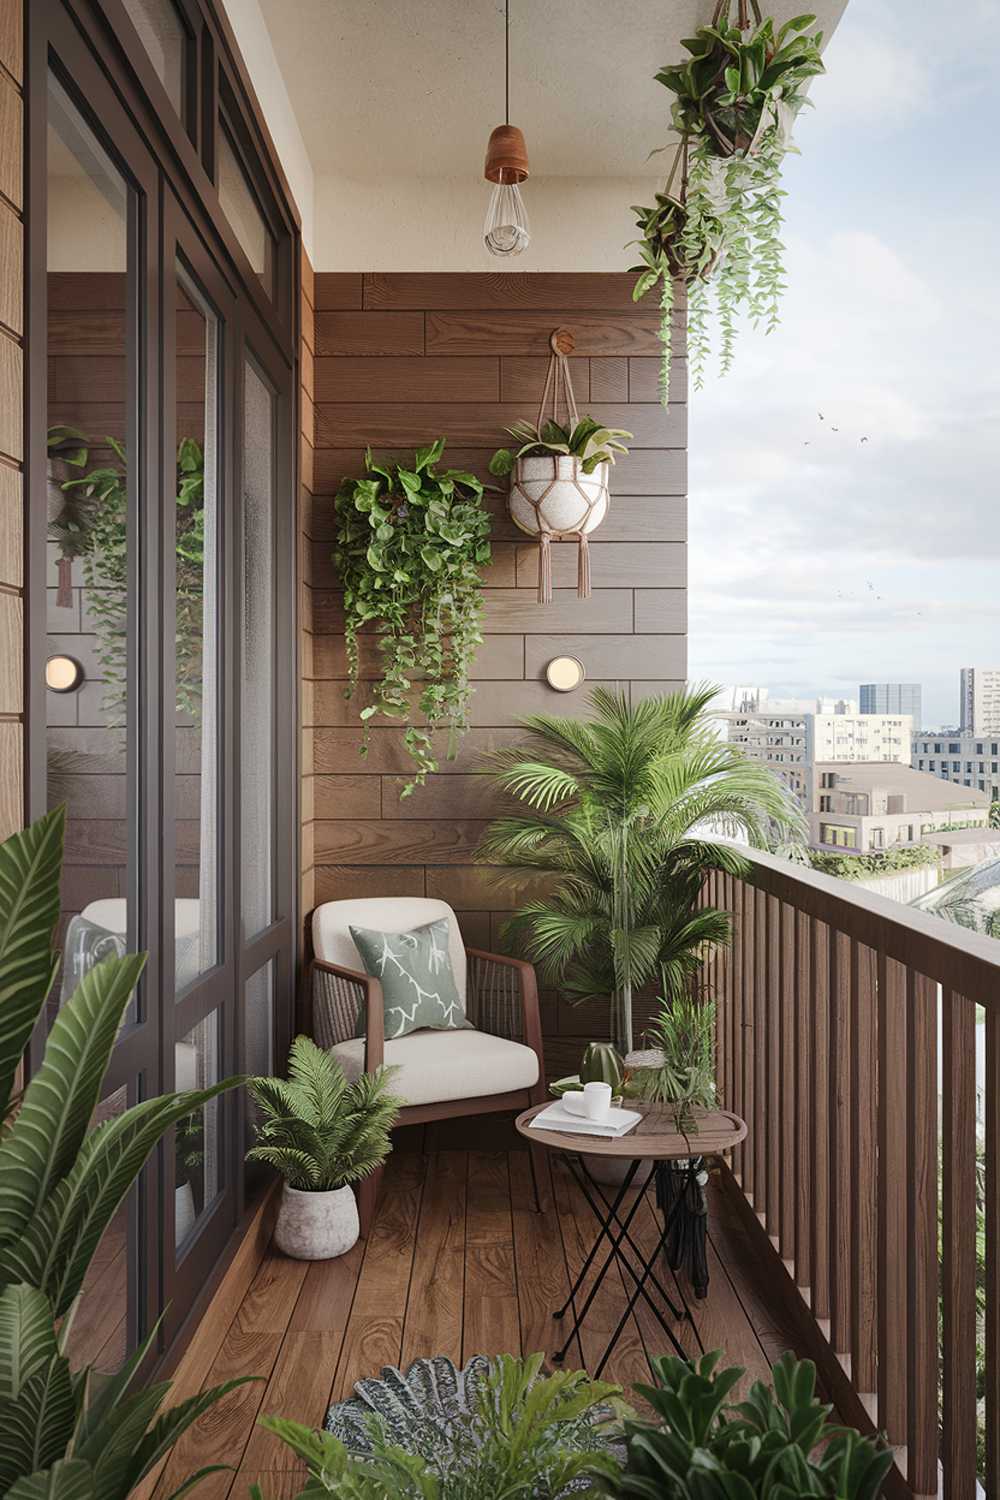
point(559, 478)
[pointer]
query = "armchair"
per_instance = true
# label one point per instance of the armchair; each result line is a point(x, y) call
point(497, 1065)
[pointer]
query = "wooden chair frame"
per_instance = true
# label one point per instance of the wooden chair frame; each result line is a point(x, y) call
point(369, 994)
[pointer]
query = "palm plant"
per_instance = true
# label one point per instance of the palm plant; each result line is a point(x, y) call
point(61, 1433)
point(319, 1131)
point(623, 814)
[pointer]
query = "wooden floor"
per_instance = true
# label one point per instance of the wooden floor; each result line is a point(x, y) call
point(459, 1263)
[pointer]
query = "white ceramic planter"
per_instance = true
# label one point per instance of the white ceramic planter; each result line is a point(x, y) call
point(316, 1226)
point(183, 1212)
point(553, 494)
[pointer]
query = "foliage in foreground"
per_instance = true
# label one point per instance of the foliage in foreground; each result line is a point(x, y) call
point(623, 816)
point(409, 549)
point(776, 1445)
point(67, 1435)
point(528, 1437)
point(319, 1131)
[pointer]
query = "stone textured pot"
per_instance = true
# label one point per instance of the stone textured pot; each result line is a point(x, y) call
point(552, 493)
point(316, 1226)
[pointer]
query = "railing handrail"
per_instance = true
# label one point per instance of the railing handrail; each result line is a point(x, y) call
point(957, 957)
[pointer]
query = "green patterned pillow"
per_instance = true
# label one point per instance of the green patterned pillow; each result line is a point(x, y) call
point(418, 983)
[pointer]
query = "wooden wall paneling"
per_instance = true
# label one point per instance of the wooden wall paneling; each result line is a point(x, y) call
point(401, 359)
point(12, 750)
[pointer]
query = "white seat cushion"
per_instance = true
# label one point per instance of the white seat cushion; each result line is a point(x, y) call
point(435, 1066)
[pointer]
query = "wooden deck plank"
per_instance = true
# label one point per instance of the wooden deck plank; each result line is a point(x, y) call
point(434, 1316)
point(491, 1322)
point(299, 1388)
point(542, 1278)
point(374, 1336)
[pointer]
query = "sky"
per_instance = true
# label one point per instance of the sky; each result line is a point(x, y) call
point(817, 561)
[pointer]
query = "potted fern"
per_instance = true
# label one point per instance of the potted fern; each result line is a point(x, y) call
point(322, 1134)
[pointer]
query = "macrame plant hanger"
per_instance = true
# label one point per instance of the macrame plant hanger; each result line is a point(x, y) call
point(559, 386)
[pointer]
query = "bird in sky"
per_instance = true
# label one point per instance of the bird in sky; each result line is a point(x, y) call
point(821, 416)
point(864, 440)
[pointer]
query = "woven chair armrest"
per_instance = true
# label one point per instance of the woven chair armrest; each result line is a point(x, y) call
point(340, 997)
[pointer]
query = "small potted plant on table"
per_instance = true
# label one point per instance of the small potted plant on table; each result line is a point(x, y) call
point(322, 1134)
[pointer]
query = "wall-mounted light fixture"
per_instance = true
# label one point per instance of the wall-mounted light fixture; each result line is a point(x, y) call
point(506, 230)
point(63, 674)
point(565, 674)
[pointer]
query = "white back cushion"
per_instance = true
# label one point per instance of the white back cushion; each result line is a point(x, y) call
point(331, 924)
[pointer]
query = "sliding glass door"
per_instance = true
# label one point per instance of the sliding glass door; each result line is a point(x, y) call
point(161, 660)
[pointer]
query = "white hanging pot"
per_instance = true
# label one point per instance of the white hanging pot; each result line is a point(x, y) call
point(317, 1226)
point(553, 500)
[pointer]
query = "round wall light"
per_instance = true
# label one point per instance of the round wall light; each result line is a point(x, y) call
point(565, 674)
point(63, 674)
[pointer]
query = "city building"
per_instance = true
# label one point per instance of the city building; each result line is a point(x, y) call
point(971, 760)
point(869, 807)
point(891, 698)
point(791, 742)
point(979, 700)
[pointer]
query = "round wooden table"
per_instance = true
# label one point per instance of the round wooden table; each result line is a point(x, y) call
point(656, 1138)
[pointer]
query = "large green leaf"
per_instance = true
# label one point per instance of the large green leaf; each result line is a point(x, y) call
point(30, 863)
point(57, 1245)
point(177, 1419)
point(59, 1101)
point(70, 1479)
point(27, 1337)
point(36, 1430)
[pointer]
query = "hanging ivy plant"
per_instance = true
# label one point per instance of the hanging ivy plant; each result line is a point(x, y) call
point(91, 524)
point(410, 545)
point(736, 99)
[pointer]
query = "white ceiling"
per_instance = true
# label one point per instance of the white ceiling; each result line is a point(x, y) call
point(412, 88)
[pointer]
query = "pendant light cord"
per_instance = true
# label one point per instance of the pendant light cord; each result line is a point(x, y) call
point(506, 62)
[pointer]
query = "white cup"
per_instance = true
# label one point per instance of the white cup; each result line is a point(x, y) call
point(593, 1101)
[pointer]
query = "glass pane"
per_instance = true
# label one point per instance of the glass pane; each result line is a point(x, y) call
point(258, 653)
point(240, 207)
point(91, 404)
point(164, 38)
point(197, 1140)
point(198, 579)
point(99, 1330)
point(257, 1021)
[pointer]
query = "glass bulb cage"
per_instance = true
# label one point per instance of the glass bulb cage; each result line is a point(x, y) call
point(506, 230)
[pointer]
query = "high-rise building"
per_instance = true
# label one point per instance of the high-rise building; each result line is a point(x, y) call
point(980, 700)
point(892, 698)
point(966, 759)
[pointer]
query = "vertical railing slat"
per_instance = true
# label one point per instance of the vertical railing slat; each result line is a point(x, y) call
point(759, 1059)
point(746, 1036)
point(819, 1231)
point(992, 1229)
point(958, 1244)
point(803, 1001)
point(840, 1142)
point(786, 1084)
point(891, 1227)
point(863, 1253)
point(774, 1140)
point(737, 1101)
point(921, 1236)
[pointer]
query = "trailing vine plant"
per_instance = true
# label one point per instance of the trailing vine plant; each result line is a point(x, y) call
point(737, 96)
point(410, 543)
point(91, 524)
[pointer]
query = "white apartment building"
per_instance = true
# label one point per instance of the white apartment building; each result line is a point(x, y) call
point(971, 760)
point(792, 742)
point(866, 808)
point(980, 700)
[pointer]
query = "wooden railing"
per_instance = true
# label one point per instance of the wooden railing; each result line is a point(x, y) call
point(846, 1038)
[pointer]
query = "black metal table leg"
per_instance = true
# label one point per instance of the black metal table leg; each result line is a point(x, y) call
point(613, 1254)
point(634, 1299)
point(633, 1168)
point(612, 1215)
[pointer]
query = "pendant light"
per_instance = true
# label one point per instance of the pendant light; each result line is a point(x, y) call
point(506, 230)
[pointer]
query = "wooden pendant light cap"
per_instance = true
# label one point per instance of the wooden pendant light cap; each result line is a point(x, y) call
point(506, 155)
